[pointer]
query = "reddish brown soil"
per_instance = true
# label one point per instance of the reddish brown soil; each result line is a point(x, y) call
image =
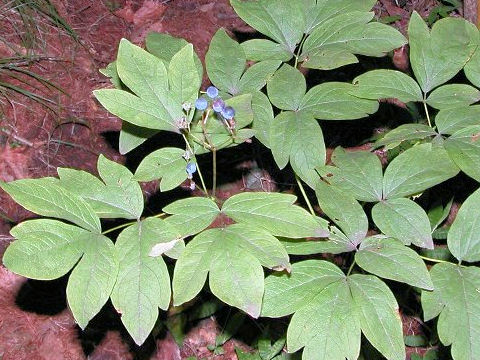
point(34, 141)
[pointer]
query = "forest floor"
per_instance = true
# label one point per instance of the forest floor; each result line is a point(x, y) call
point(34, 141)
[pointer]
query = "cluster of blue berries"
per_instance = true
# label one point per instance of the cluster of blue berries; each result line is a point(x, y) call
point(191, 169)
point(218, 105)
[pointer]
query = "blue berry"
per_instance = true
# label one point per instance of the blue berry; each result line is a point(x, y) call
point(228, 113)
point(212, 92)
point(218, 105)
point(191, 168)
point(201, 103)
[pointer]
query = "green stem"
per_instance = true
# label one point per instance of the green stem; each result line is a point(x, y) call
point(351, 267)
point(189, 148)
point(436, 260)
point(214, 157)
point(302, 190)
point(159, 215)
point(426, 112)
point(299, 51)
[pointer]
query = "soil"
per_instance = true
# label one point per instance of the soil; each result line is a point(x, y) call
point(34, 141)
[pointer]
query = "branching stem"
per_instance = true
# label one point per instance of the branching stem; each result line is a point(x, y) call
point(426, 112)
point(302, 190)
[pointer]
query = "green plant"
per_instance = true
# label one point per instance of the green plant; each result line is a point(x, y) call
point(332, 306)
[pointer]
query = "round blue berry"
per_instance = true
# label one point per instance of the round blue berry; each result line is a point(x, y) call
point(212, 92)
point(201, 103)
point(228, 113)
point(218, 105)
point(191, 168)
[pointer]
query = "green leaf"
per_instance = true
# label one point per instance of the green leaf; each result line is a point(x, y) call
point(472, 69)
point(404, 220)
point(298, 138)
point(333, 101)
point(165, 46)
point(403, 133)
point(225, 62)
point(262, 117)
point(44, 250)
point(317, 12)
point(358, 172)
point(236, 278)
point(183, 76)
point(327, 326)
point(345, 211)
point(453, 96)
point(306, 246)
point(286, 293)
point(464, 235)
point(111, 72)
point(167, 164)
point(390, 259)
point(143, 283)
point(281, 20)
point(334, 43)
point(274, 212)
point(191, 215)
point(451, 120)
point(384, 84)
point(417, 169)
point(46, 197)
point(437, 213)
point(463, 147)
point(132, 136)
point(263, 49)
point(438, 55)
point(457, 299)
point(138, 111)
point(91, 282)
point(234, 256)
point(377, 311)
point(257, 75)
point(280, 90)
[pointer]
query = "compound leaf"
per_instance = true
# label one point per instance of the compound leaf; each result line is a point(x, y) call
point(344, 211)
point(404, 220)
point(44, 249)
point(225, 62)
point(286, 293)
point(191, 215)
point(358, 172)
point(91, 282)
point(281, 20)
point(457, 299)
point(167, 164)
point(464, 236)
point(417, 169)
point(377, 311)
point(143, 283)
point(453, 96)
point(438, 55)
point(385, 84)
point(390, 259)
point(333, 101)
point(463, 147)
point(274, 212)
point(334, 43)
point(46, 197)
point(183, 76)
point(298, 138)
point(451, 120)
point(280, 90)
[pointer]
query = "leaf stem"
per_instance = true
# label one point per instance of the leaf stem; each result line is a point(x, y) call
point(426, 111)
point(121, 226)
point(351, 267)
point(302, 190)
point(436, 260)
point(198, 167)
point(214, 160)
point(299, 50)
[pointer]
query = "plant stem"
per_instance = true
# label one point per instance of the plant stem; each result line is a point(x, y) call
point(299, 51)
point(351, 267)
point(159, 215)
point(426, 112)
point(302, 190)
point(214, 157)
point(436, 260)
point(198, 167)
